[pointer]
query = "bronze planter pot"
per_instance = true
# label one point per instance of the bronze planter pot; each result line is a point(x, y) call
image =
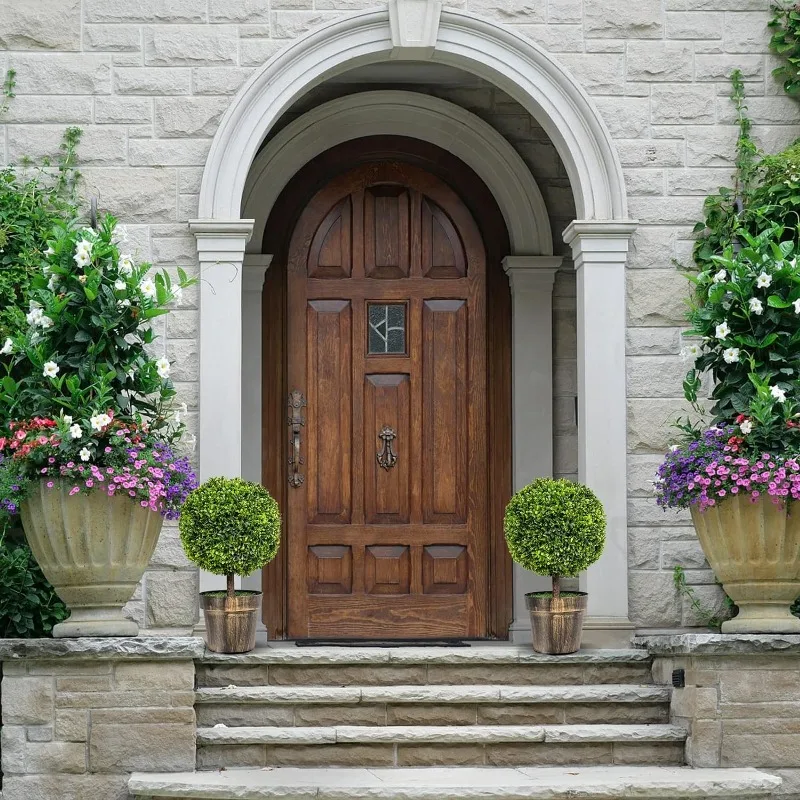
point(754, 549)
point(231, 621)
point(94, 550)
point(557, 624)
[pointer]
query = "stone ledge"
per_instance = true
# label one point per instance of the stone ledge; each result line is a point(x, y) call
point(718, 644)
point(146, 648)
point(464, 783)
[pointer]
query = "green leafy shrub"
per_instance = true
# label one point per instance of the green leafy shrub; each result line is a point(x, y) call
point(785, 42)
point(29, 607)
point(555, 527)
point(230, 527)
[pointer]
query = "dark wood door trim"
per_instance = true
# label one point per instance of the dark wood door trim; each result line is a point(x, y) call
point(275, 387)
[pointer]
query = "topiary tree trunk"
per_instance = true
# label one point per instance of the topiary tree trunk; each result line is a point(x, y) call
point(231, 590)
point(556, 586)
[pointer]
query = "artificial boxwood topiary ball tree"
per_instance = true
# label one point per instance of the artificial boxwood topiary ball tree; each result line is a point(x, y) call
point(230, 527)
point(555, 527)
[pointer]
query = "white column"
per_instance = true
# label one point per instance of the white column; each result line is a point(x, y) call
point(531, 279)
point(220, 247)
point(599, 250)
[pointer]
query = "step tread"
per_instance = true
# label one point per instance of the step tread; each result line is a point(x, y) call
point(395, 656)
point(458, 783)
point(439, 694)
point(367, 734)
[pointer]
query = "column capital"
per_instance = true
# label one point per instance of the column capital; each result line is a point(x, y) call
point(599, 240)
point(255, 270)
point(221, 239)
point(531, 271)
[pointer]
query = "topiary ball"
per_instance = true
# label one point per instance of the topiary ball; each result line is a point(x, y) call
point(555, 527)
point(230, 526)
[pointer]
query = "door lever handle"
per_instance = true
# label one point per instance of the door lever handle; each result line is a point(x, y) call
point(296, 405)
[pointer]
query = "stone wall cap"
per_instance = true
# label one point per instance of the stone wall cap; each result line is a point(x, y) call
point(718, 644)
point(105, 649)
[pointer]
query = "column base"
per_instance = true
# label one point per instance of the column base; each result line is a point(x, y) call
point(607, 633)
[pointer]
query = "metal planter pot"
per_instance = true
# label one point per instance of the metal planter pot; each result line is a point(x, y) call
point(557, 624)
point(94, 550)
point(231, 621)
point(754, 549)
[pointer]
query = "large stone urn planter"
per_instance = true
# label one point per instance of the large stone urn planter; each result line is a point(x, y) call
point(94, 550)
point(754, 549)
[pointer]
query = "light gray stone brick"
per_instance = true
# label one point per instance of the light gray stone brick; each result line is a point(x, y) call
point(43, 25)
point(698, 181)
point(61, 73)
point(645, 512)
point(683, 553)
point(654, 599)
point(719, 67)
point(134, 676)
point(762, 110)
point(599, 73)
point(650, 424)
point(173, 152)
point(651, 152)
point(644, 181)
point(644, 548)
point(66, 787)
point(40, 733)
point(655, 376)
point(254, 52)
point(653, 246)
point(72, 725)
point(717, 5)
point(121, 110)
point(12, 749)
point(151, 747)
point(50, 757)
point(219, 80)
point(676, 104)
point(694, 25)
point(562, 11)
point(150, 11)
point(554, 38)
point(659, 61)
point(238, 11)
point(171, 597)
point(169, 551)
point(136, 195)
point(152, 81)
point(103, 146)
point(291, 24)
point(28, 701)
point(188, 117)
point(192, 45)
point(747, 32)
point(652, 341)
point(617, 19)
point(667, 210)
point(713, 147)
point(112, 38)
point(527, 11)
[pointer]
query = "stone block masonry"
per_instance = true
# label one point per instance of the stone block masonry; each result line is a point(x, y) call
point(77, 720)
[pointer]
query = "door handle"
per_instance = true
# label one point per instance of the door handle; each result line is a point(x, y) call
point(296, 405)
point(387, 458)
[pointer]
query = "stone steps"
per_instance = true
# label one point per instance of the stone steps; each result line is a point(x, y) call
point(609, 783)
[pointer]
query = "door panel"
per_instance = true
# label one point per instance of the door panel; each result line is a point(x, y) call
point(387, 534)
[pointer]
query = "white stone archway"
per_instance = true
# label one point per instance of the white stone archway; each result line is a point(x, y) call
point(599, 240)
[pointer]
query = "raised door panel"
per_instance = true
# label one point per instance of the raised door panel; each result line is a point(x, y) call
point(442, 250)
point(330, 255)
point(329, 424)
point(387, 569)
point(387, 461)
point(329, 569)
point(444, 412)
point(387, 211)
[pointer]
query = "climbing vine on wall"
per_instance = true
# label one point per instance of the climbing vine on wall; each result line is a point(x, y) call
point(785, 42)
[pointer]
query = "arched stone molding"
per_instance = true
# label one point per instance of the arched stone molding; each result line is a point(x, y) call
point(418, 116)
point(516, 65)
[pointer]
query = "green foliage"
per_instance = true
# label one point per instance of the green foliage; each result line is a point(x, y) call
point(705, 616)
point(555, 527)
point(230, 526)
point(29, 607)
point(785, 42)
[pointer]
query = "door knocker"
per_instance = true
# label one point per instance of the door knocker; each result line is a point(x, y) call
point(387, 458)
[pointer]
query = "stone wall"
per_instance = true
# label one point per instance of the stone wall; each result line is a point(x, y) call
point(741, 700)
point(149, 81)
point(75, 725)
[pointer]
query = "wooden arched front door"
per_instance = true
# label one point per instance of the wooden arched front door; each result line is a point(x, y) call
point(386, 510)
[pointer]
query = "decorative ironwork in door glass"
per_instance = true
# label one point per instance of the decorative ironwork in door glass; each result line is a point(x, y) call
point(387, 329)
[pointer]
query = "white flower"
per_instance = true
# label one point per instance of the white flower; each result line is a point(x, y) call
point(796, 305)
point(46, 269)
point(162, 367)
point(46, 322)
point(75, 431)
point(147, 288)
point(124, 303)
point(84, 245)
point(756, 306)
point(182, 409)
point(8, 347)
point(690, 352)
point(125, 265)
point(50, 369)
point(82, 258)
point(720, 276)
point(49, 252)
point(778, 393)
point(85, 454)
point(100, 421)
point(120, 285)
point(35, 315)
point(731, 355)
point(722, 330)
point(67, 418)
point(746, 427)
point(763, 280)
point(674, 448)
point(52, 283)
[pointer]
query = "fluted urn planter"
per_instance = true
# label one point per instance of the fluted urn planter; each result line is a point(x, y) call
point(754, 549)
point(94, 550)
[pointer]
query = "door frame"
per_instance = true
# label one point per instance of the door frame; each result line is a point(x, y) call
point(276, 237)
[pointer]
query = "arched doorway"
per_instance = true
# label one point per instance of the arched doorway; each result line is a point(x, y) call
point(412, 550)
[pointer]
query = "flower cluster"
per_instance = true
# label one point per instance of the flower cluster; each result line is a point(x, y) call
point(705, 471)
point(116, 458)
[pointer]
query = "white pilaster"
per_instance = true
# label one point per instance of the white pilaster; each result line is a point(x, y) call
point(599, 250)
point(531, 279)
point(220, 247)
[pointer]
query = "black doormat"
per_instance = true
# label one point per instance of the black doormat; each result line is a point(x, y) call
point(381, 643)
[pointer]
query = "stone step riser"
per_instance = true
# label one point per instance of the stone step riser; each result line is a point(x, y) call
point(508, 754)
point(263, 714)
point(534, 674)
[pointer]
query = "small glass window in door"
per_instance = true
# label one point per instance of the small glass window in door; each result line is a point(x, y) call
point(386, 334)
